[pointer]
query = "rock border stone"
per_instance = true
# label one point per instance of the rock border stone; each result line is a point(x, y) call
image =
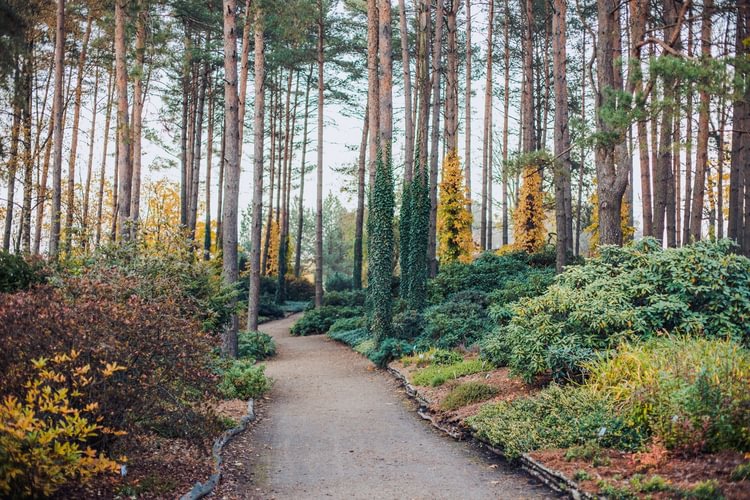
point(555, 480)
point(200, 490)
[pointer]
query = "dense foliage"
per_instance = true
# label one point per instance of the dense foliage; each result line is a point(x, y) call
point(318, 321)
point(456, 242)
point(255, 345)
point(634, 292)
point(16, 273)
point(244, 379)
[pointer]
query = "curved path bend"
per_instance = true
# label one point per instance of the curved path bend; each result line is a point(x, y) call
point(336, 427)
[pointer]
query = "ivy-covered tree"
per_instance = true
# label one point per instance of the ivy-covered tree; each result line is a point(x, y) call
point(454, 218)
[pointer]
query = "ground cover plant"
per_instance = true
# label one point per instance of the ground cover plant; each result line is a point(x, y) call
point(635, 292)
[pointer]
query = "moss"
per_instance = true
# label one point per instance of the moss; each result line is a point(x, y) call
point(466, 394)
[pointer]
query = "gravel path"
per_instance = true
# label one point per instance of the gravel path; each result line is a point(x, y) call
point(336, 427)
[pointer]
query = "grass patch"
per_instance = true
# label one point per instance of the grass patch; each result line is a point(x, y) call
point(741, 472)
point(436, 375)
point(466, 394)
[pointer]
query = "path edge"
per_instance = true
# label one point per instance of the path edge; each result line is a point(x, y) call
point(555, 480)
point(200, 490)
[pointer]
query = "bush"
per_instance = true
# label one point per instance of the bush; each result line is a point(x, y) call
point(557, 417)
point(348, 324)
point(318, 321)
point(16, 273)
point(270, 310)
point(244, 380)
point(255, 345)
point(151, 325)
point(350, 337)
point(407, 325)
point(45, 436)
point(432, 356)
point(691, 394)
point(466, 394)
point(631, 292)
point(297, 289)
point(388, 350)
point(436, 375)
point(489, 272)
point(338, 282)
point(354, 298)
point(454, 324)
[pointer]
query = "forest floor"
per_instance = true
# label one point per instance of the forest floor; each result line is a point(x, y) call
point(335, 426)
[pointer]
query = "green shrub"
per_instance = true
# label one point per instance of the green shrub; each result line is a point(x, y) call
point(432, 356)
point(705, 490)
point(352, 298)
point(388, 349)
point(631, 292)
point(244, 380)
point(435, 375)
point(466, 394)
point(350, 337)
point(408, 324)
point(15, 273)
point(318, 321)
point(454, 324)
point(270, 310)
point(338, 282)
point(692, 393)
point(557, 417)
point(255, 345)
point(653, 484)
point(294, 306)
point(365, 347)
point(347, 324)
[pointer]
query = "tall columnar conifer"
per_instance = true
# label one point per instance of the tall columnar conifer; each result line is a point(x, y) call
point(528, 218)
point(454, 218)
point(418, 237)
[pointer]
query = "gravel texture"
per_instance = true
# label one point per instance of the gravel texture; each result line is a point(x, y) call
point(337, 427)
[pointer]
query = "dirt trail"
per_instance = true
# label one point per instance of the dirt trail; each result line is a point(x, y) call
point(338, 428)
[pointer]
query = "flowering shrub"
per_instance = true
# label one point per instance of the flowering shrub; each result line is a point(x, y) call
point(45, 435)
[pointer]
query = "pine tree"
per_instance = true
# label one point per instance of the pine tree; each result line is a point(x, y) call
point(454, 220)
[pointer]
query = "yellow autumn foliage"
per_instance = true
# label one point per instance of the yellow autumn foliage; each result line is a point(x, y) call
point(43, 436)
point(454, 220)
point(272, 262)
point(528, 217)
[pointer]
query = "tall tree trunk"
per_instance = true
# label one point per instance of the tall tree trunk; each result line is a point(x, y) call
point(196, 157)
point(103, 169)
point(209, 160)
point(13, 160)
point(284, 186)
point(360, 216)
point(467, 111)
point(720, 166)
point(739, 177)
point(437, 51)
point(527, 104)
point(42, 191)
point(688, 144)
point(563, 216)
point(70, 193)
point(581, 167)
point(612, 174)
point(124, 161)
point(372, 88)
point(186, 65)
point(266, 243)
point(423, 82)
point(259, 69)
point(408, 117)
point(451, 77)
point(230, 268)
point(57, 134)
point(90, 166)
point(303, 172)
point(138, 100)
point(319, 191)
point(244, 69)
point(638, 17)
point(485, 232)
point(506, 108)
point(28, 157)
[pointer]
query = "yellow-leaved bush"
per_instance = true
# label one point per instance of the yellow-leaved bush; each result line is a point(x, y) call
point(528, 217)
point(454, 219)
point(45, 436)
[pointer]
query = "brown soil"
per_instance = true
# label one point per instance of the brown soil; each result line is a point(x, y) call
point(682, 472)
point(337, 427)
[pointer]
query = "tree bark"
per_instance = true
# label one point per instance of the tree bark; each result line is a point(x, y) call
point(467, 118)
point(57, 134)
point(13, 160)
point(303, 172)
point(244, 69)
point(209, 160)
point(230, 268)
point(124, 160)
point(506, 108)
point(28, 157)
point(372, 88)
point(360, 216)
point(90, 167)
point(435, 139)
point(138, 101)
point(103, 169)
point(408, 117)
point(259, 69)
point(319, 190)
point(563, 216)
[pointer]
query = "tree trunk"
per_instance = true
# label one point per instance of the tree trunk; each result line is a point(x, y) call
point(451, 77)
point(372, 88)
point(103, 169)
point(230, 269)
point(186, 65)
point(437, 52)
point(269, 219)
point(70, 193)
point(57, 134)
point(244, 69)
point(506, 108)
point(209, 159)
point(303, 172)
point(467, 118)
point(563, 216)
point(485, 234)
point(196, 157)
point(319, 190)
point(259, 69)
point(360, 216)
point(124, 161)
point(284, 217)
point(90, 166)
point(638, 18)
point(138, 100)
point(408, 117)
point(28, 158)
point(739, 177)
point(13, 160)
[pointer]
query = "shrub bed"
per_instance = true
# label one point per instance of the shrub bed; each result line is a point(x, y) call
point(318, 321)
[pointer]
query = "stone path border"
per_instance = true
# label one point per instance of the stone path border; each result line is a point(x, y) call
point(555, 480)
point(200, 490)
